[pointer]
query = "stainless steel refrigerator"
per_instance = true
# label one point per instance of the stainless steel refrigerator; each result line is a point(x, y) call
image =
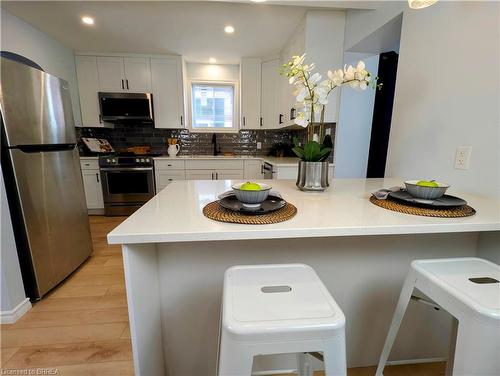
point(42, 175)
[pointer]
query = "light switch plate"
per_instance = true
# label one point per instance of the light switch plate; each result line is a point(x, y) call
point(462, 157)
point(259, 145)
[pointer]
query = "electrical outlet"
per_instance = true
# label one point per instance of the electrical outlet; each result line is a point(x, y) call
point(259, 145)
point(462, 157)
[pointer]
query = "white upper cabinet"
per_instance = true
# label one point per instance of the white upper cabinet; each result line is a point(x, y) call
point(250, 81)
point(111, 74)
point(287, 105)
point(137, 74)
point(88, 86)
point(166, 74)
point(124, 74)
point(270, 94)
point(162, 76)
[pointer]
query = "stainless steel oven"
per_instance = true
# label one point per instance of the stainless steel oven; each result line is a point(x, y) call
point(127, 183)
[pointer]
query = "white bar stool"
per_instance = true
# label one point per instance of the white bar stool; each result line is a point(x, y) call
point(469, 289)
point(278, 309)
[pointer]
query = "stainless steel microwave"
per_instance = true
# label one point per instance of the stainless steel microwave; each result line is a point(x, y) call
point(126, 106)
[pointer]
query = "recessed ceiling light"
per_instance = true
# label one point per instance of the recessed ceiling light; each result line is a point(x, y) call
point(212, 60)
point(258, 1)
point(229, 29)
point(87, 20)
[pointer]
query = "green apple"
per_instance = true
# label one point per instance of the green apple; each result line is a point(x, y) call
point(248, 186)
point(425, 183)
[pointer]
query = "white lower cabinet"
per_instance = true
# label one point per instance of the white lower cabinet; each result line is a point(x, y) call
point(229, 174)
point(164, 178)
point(93, 188)
point(214, 174)
point(169, 170)
point(200, 175)
point(253, 169)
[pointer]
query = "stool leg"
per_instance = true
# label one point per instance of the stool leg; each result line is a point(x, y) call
point(235, 359)
point(404, 299)
point(304, 367)
point(477, 348)
point(334, 356)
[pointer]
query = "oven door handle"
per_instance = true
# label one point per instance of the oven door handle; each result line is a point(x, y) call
point(126, 169)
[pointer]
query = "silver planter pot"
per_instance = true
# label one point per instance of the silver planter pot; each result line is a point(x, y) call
point(313, 176)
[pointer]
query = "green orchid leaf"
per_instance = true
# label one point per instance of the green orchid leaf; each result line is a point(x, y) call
point(312, 151)
point(299, 152)
point(325, 153)
point(296, 142)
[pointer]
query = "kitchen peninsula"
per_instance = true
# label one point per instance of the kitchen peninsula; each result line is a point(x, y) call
point(175, 259)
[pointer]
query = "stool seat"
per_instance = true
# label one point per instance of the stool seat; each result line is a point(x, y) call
point(279, 309)
point(469, 289)
point(268, 301)
point(469, 280)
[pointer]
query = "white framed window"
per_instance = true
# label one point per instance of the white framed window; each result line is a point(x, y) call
point(213, 106)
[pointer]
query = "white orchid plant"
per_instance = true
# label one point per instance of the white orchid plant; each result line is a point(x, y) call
point(312, 94)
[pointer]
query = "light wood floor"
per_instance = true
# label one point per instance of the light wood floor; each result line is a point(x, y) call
point(81, 327)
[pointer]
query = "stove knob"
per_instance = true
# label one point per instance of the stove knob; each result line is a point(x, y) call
point(113, 160)
point(137, 160)
point(107, 161)
point(142, 160)
point(147, 160)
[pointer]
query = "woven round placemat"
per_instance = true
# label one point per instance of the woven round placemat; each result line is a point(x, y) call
point(456, 212)
point(216, 212)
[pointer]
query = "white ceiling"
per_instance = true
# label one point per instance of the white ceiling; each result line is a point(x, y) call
point(193, 29)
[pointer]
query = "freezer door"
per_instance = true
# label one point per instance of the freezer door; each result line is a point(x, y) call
point(36, 106)
point(53, 207)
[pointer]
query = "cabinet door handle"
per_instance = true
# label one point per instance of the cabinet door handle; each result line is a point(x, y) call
point(97, 176)
point(244, 121)
point(292, 113)
point(261, 124)
point(127, 83)
point(216, 176)
point(182, 121)
point(100, 119)
point(281, 119)
point(262, 169)
point(123, 85)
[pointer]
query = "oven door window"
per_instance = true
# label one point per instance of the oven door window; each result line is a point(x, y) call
point(128, 182)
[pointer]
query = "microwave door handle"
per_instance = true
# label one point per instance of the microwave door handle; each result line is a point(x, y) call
point(127, 84)
point(123, 85)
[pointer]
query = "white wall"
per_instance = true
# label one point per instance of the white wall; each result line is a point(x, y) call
point(22, 38)
point(213, 72)
point(361, 23)
point(488, 246)
point(352, 138)
point(447, 90)
point(325, 48)
point(12, 288)
point(447, 95)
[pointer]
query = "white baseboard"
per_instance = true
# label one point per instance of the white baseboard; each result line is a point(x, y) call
point(10, 317)
point(415, 361)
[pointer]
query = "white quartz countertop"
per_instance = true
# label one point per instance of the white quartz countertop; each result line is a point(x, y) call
point(175, 214)
point(276, 161)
